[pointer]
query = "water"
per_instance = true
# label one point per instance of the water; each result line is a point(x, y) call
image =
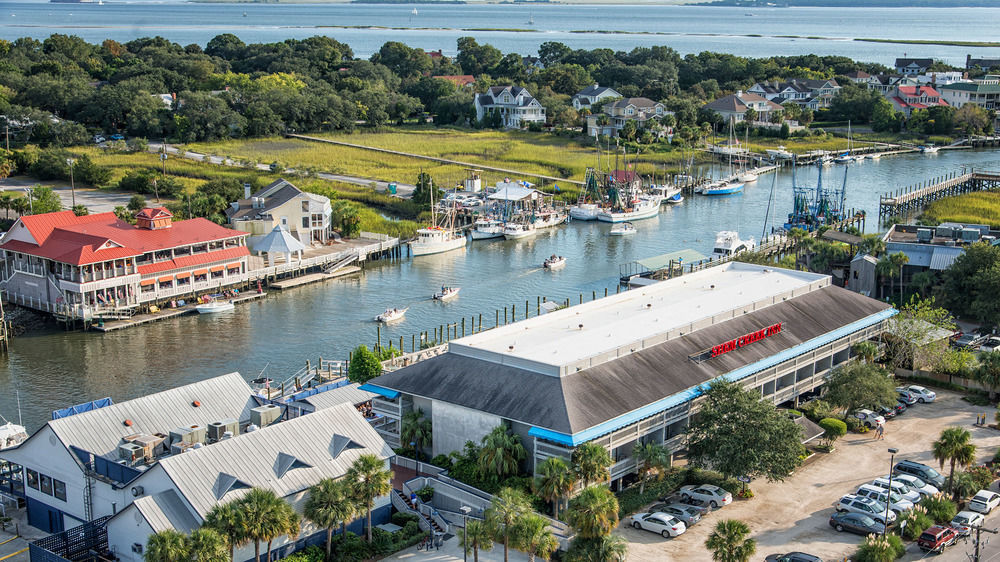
point(56, 369)
point(687, 29)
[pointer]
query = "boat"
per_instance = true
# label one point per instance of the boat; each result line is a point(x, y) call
point(392, 315)
point(486, 228)
point(11, 434)
point(414, 12)
point(622, 229)
point(724, 187)
point(587, 206)
point(846, 157)
point(643, 207)
point(929, 149)
point(447, 293)
point(584, 211)
point(516, 231)
point(747, 174)
point(824, 160)
point(676, 199)
point(437, 239)
point(548, 219)
point(728, 244)
point(554, 262)
point(873, 156)
point(780, 153)
point(664, 191)
point(213, 307)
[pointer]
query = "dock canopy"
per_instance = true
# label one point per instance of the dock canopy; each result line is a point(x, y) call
point(514, 192)
point(278, 241)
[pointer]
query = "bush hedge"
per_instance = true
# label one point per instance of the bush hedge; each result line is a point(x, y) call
point(939, 508)
point(917, 521)
point(817, 409)
point(631, 501)
point(881, 549)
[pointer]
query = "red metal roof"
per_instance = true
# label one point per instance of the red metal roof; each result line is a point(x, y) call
point(195, 260)
point(154, 213)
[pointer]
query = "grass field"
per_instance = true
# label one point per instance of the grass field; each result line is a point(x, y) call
point(972, 208)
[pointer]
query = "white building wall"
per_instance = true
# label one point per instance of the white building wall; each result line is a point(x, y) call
point(45, 453)
point(454, 425)
point(125, 530)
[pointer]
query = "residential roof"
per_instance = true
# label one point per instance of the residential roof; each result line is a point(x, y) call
point(919, 91)
point(737, 103)
point(279, 240)
point(459, 79)
point(629, 384)
point(972, 87)
point(490, 97)
point(796, 84)
point(922, 63)
point(858, 74)
point(350, 394)
point(286, 457)
point(166, 510)
point(643, 103)
point(596, 90)
point(275, 194)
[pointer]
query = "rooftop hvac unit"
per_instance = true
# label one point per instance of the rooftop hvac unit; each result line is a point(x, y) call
point(191, 434)
point(217, 429)
point(944, 231)
point(181, 447)
point(949, 242)
point(130, 452)
point(924, 234)
point(265, 415)
point(989, 238)
point(970, 234)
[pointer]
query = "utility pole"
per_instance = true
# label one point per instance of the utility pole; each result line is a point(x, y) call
point(6, 129)
point(72, 183)
point(978, 541)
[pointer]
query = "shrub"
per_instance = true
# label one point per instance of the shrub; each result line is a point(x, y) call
point(881, 549)
point(793, 413)
point(630, 500)
point(401, 519)
point(939, 508)
point(982, 476)
point(853, 423)
point(141, 181)
point(426, 494)
point(442, 461)
point(917, 521)
point(817, 409)
point(745, 493)
point(308, 554)
point(834, 429)
point(702, 476)
point(996, 455)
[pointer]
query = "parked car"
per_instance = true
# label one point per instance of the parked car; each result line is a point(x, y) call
point(871, 508)
point(117, 137)
point(869, 418)
point(965, 521)
point(792, 557)
point(922, 394)
point(688, 514)
point(897, 486)
point(906, 397)
point(991, 344)
point(900, 407)
point(921, 471)
point(660, 523)
point(856, 523)
point(936, 538)
point(98, 139)
point(984, 501)
point(714, 496)
point(886, 412)
point(897, 503)
point(916, 484)
point(971, 339)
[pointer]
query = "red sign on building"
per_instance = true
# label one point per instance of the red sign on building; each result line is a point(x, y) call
point(747, 339)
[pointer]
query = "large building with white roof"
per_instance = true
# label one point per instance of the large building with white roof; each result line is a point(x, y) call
point(629, 368)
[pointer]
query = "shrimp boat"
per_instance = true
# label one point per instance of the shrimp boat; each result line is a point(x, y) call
point(486, 228)
point(728, 244)
point(438, 239)
point(447, 293)
point(214, 307)
point(554, 262)
point(586, 207)
point(516, 231)
point(622, 229)
point(643, 207)
point(392, 315)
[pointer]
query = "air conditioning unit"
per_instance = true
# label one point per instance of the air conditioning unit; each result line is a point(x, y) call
point(970, 234)
point(198, 433)
point(180, 447)
point(130, 452)
point(216, 430)
point(190, 434)
point(924, 234)
point(137, 547)
point(263, 416)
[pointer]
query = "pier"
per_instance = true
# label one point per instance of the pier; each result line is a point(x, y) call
point(906, 201)
point(156, 314)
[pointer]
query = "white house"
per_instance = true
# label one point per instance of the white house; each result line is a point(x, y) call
point(515, 104)
point(985, 93)
point(306, 215)
point(735, 106)
point(913, 66)
point(593, 94)
point(814, 94)
point(639, 110)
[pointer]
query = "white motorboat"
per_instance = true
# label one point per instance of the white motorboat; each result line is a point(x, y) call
point(929, 149)
point(435, 240)
point(516, 231)
point(644, 207)
point(548, 219)
point(11, 434)
point(748, 176)
point(664, 191)
point(873, 156)
point(676, 199)
point(779, 153)
point(554, 262)
point(447, 293)
point(724, 187)
point(214, 307)
point(584, 211)
point(486, 228)
point(622, 229)
point(392, 315)
point(728, 244)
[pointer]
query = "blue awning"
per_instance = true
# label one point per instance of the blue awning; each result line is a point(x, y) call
point(388, 393)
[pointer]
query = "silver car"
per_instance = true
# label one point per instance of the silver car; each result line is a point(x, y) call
point(857, 504)
point(915, 483)
point(689, 514)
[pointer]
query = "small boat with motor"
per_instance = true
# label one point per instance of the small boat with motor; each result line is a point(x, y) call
point(724, 187)
point(516, 231)
point(214, 307)
point(728, 245)
point(929, 149)
point(11, 434)
point(554, 262)
point(622, 229)
point(486, 228)
point(780, 153)
point(392, 315)
point(447, 293)
point(873, 156)
point(677, 199)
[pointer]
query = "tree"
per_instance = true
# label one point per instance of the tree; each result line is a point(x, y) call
point(507, 509)
point(284, 521)
point(555, 481)
point(591, 462)
point(363, 366)
point(346, 215)
point(136, 203)
point(476, 536)
point(967, 289)
point(80, 210)
point(330, 503)
point(226, 519)
point(552, 52)
point(833, 429)
point(988, 371)
point(609, 548)
point(167, 546)
point(730, 541)
point(593, 513)
point(208, 545)
point(955, 447)
point(750, 117)
point(739, 434)
point(651, 458)
point(417, 430)
point(261, 514)
point(905, 340)
point(533, 536)
point(971, 119)
point(6, 203)
point(860, 385)
point(866, 350)
point(369, 479)
point(923, 281)
point(422, 192)
point(898, 260)
point(500, 454)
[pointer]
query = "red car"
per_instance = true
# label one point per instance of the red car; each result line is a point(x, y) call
point(936, 538)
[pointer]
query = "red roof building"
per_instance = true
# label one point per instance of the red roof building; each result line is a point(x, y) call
point(85, 266)
point(460, 80)
point(911, 98)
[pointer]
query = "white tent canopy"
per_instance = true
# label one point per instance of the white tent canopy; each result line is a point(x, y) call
point(278, 241)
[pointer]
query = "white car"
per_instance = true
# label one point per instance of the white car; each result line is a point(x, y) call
point(965, 521)
point(869, 418)
point(984, 501)
point(713, 496)
point(922, 394)
point(659, 523)
point(897, 503)
point(865, 506)
point(898, 487)
point(991, 344)
point(914, 483)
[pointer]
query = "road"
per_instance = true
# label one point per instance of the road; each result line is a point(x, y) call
point(96, 200)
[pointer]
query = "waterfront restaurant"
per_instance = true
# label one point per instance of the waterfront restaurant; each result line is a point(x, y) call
point(630, 368)
point(88, 266)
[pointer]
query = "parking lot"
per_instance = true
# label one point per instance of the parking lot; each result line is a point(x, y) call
point(794, 515)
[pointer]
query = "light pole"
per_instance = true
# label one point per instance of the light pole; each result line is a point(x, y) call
point(465, 532)
point(72, 184)
point(888, 493)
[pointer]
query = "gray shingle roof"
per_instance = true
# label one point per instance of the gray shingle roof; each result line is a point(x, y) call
point(596, 90)
point(923, 63)
point(275, 194)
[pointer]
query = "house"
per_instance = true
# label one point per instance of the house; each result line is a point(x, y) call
point(986, 63)
point(435, 55)
point(942, 78)
point(460, 80)
point(884, 83)
point(99, 265)
point(858, 76)
point(985, 93)
point(591, 95)
point(735, 106)
point(913, 66)
point(638, 110)
point(307, 216)
point(910, 98)
point(532, 64)
point(167, 99)
point(814, 94)
point(515, 105)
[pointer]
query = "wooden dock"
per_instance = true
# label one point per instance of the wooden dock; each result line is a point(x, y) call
point(164, 313)
point(909, 200)
point(308, 278)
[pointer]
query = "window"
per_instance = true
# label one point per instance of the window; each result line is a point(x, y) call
point(305, 206)
point(46, 484)
point(59, 489)
point(32, 478)
point(506, 99)
point(284, 221)
point(305, 222)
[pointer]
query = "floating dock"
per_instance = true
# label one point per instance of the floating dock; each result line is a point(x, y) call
point(162, 314)
point(293, 282)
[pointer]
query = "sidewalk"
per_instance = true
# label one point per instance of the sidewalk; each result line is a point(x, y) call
point(451, 551)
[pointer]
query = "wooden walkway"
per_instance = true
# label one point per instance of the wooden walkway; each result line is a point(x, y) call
point(909, 200)
point(293, 282)
point(164, 313)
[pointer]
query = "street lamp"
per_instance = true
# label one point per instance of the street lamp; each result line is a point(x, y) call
point(888, 493)
point(465, 532)
point(72, 184)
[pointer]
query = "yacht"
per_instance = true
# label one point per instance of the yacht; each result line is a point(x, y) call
point(728, 244)
point(780, 153)
point(622, 229)
point(725, 187)
point(516, 231)
point(554, 262)
point(11, 434)
point(486, 228)
point(643, 207)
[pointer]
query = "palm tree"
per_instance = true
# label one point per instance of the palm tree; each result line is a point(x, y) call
point(554, 482)
point(330, 504)
point(899, 259)
point(866, 350)
point(476, 536)
point(283, 521)
point(872, 244)
point(964, 485)
point(369, 479)
point(167, 546)
point(417, 430)
point(955, 447)
point(509, 506)
point(500, 454)
point(6, 203)
point(533, 536)
point(592, 462)
point(226, 519)
point(208, 545)
point(988, 371)
point(885, 268)
point(730, 542)
point(610, 548)
point(593, 513)
point(650, 458)
point(259, 508)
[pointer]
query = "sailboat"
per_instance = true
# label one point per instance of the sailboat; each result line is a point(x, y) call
point(437, 239)
point(531, 19)
point(747, 175)
point(414, 12)
point(846, 157)
point(729, 184)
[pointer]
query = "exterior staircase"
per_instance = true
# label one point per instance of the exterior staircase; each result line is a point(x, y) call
point(426, 522)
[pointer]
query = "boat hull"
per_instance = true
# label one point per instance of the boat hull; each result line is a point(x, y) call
point(429, 248)
point(584, 212)
point(723, 189)
point(486, 234)
point(214, 308)
point(555, 266)
point(676, 200)
point(444, 297)
point(520, 234)
point(649, 209)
